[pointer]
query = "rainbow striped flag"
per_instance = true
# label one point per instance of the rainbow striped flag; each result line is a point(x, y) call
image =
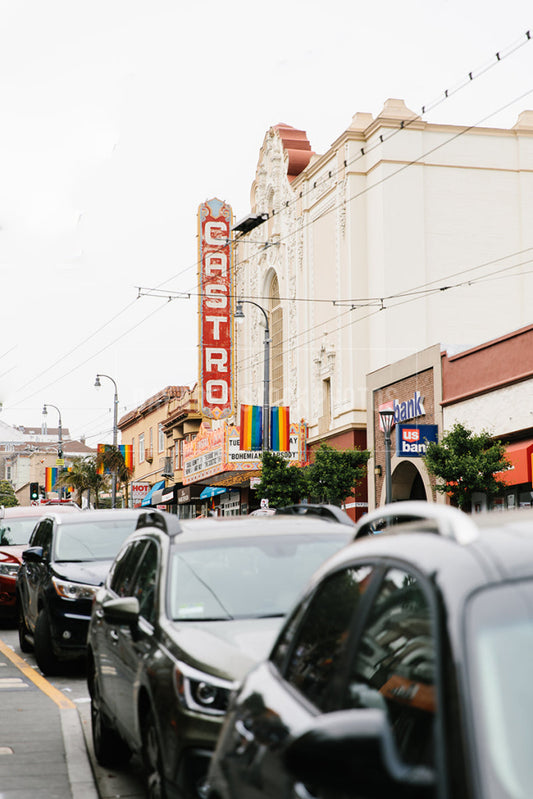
point(100, 448)
point(280, 428)
point(127, 453)
point(50, 478)
point(251, 429)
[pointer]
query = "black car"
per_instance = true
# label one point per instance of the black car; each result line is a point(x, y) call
point(189, 606)
point(404, 671)
point(68, 557)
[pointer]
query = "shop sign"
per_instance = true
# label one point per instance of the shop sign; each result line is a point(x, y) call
point(403, 411)
point(215, 306)
point(139, 491)
point(412, 440)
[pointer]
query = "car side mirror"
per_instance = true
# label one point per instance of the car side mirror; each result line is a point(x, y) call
point(355, 747)
point(124, 610)
point(33, 555)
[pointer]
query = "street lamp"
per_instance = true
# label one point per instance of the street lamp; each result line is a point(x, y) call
point(59, 437)
point(97, 384)
point(387, 422)
point(239, 314)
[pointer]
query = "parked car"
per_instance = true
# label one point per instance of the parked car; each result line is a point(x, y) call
point(68, 557)
point(16, 526)
point(188, 607)
point(403, 671)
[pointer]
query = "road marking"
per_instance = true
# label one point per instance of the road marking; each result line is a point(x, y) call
point(56, 696)
point(12, 682)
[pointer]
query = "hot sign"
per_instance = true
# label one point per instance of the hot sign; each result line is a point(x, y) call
point(216, 309)
point(412, 440)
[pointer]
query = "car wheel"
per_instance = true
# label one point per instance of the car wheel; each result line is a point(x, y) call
point(46, 659)
point(152, 761)
point(24, 642)
point(109, 748)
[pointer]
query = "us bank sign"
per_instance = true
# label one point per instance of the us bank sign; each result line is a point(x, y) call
point(215, 302)
point(412, 440)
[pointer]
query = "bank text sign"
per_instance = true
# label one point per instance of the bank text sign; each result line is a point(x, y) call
point(412, 440)
point(215, 303)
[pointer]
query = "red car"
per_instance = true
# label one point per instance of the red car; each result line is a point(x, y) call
point(16, 525)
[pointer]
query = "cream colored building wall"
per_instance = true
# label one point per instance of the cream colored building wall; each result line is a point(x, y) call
point(429, 207)
point(146, 470)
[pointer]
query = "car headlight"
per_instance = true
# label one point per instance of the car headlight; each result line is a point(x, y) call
point(9, 569)
point(69, 590)
point(201, 692)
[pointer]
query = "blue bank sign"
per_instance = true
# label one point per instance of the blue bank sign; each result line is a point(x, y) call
point(412, 439)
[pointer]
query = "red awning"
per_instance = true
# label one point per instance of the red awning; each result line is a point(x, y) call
point(520, 455)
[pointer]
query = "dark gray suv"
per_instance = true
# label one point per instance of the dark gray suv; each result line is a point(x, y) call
point(188, 607)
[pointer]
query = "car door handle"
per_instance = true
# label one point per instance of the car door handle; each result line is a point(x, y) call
point(247, 737)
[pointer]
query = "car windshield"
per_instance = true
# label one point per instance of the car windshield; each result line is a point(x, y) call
point(500, 634)
point(16, 532)
point(93, 539)
point(245, 578)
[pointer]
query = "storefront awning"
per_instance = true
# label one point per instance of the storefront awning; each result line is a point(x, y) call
point(148, 499)
point(212, 491)
point(520, 454)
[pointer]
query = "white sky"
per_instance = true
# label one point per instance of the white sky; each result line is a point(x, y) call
point(119, 117)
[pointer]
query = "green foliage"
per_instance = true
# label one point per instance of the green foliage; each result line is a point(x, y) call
point(280, 484)
point(333, 475)
point(7, 495)
point(83, 476)
point(466, 463)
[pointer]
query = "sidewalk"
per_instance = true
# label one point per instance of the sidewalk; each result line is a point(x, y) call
point(43, 754)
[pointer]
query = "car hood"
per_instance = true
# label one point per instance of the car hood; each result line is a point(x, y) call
point(227, 649)
point(92, 572)
point(12, 553)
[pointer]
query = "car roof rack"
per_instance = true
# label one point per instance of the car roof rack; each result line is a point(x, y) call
point(167, 522)
point(444, 520)
point(331, 513)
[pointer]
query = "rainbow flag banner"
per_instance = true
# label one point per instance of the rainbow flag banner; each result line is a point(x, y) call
point(50, 478)
point(101, 448)
point(127, 454)
point(280, 427)
point(251, 428)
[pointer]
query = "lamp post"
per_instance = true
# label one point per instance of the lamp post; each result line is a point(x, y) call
point(387, 422)
point(97, 384)
point(59, 437)
point(239, 314)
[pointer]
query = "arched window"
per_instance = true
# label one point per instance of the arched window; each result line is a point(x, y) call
point(276, 346)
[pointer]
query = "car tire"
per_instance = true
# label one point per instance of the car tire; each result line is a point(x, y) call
point(24, 643)
point(45, 656)
point(109, 748)
point(152, 760)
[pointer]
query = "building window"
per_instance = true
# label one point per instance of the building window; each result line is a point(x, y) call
point(276, 347)
point(326, 400)
point(161, 438)
point(141, 448)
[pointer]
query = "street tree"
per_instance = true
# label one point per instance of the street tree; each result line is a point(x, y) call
point(112, 461)
point(7, 494)
point(333, 475)
point(82, 476)
point(280, 484)
point(465, 463)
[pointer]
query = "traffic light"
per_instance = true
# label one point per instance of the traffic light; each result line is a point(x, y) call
point(34, 491)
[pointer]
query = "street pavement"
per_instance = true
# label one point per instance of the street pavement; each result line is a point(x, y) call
point(45, 741)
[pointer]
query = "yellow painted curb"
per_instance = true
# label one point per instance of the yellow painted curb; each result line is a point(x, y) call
point(56, 696)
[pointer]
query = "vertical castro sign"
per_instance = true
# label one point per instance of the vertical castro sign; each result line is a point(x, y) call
point(215, 261)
